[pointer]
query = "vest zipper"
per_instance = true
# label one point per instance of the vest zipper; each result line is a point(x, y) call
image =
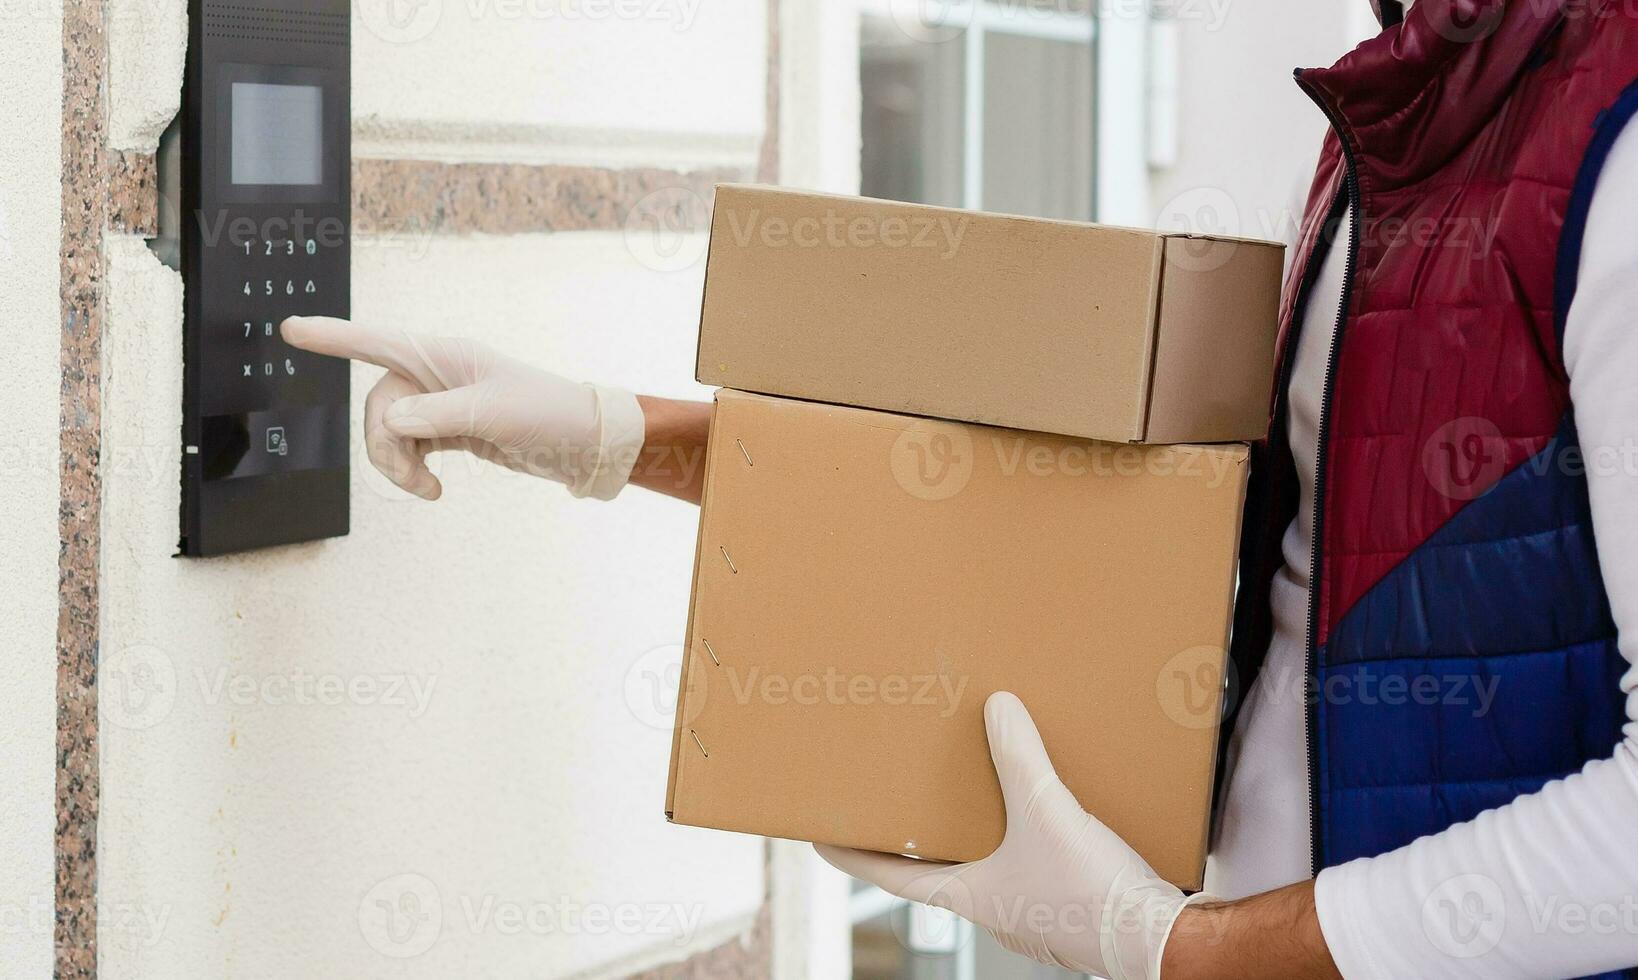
point(1322, 433)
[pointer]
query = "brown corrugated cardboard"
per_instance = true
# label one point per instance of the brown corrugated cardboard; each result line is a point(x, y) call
point(865, 580)
point(1086, 330)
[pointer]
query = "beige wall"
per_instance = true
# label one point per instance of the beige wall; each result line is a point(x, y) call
point(445, 721)
point(30, 229)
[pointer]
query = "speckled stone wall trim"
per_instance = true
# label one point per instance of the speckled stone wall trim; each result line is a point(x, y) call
point(85, 207)
point(747, 957)
point(427, 197)
point(395, 197)
point(133, 193)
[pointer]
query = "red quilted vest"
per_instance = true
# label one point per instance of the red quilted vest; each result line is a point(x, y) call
point(1451, 542)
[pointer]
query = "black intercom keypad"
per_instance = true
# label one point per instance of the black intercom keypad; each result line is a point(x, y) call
point(265, 234)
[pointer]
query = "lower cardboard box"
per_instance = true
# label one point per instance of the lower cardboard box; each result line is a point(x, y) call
point(864, 581)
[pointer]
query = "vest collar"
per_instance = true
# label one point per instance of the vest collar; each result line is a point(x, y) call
point(1408, 99)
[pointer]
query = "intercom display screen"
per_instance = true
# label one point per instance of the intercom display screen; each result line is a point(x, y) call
point(277, 134)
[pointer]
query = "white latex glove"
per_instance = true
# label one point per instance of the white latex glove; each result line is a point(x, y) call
point(442, 393)
point(1062, 888)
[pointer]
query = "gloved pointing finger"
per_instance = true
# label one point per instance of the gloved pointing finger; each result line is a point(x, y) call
point(453, 393)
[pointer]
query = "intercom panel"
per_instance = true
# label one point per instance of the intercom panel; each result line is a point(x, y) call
point(265, 234)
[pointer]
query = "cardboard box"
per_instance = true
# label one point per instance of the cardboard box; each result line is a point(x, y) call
point(1053, 326)
point(865, 580)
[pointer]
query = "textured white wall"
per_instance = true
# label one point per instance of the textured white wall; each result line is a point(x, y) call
point(441, 723)
point(508, 770)
point(674, 83)
point(30, 235)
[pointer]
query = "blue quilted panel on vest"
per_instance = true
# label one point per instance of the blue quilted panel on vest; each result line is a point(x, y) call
point(1421, 723)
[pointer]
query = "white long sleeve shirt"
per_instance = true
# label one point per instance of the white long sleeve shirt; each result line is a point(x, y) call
point(1546, 886)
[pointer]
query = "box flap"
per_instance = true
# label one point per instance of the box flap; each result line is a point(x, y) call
point(1214, 354)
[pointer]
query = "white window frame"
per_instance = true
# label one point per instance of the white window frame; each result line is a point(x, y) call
point(1121, 33)
point(819, 136)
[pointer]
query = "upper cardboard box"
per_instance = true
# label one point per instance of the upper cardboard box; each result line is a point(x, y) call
point(1054, 326)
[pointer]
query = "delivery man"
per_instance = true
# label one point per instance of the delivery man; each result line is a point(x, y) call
point(1435, 769)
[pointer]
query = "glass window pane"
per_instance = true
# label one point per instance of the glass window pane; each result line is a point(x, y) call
point(1037, 126)
point(912, 115)
point(880, 953)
